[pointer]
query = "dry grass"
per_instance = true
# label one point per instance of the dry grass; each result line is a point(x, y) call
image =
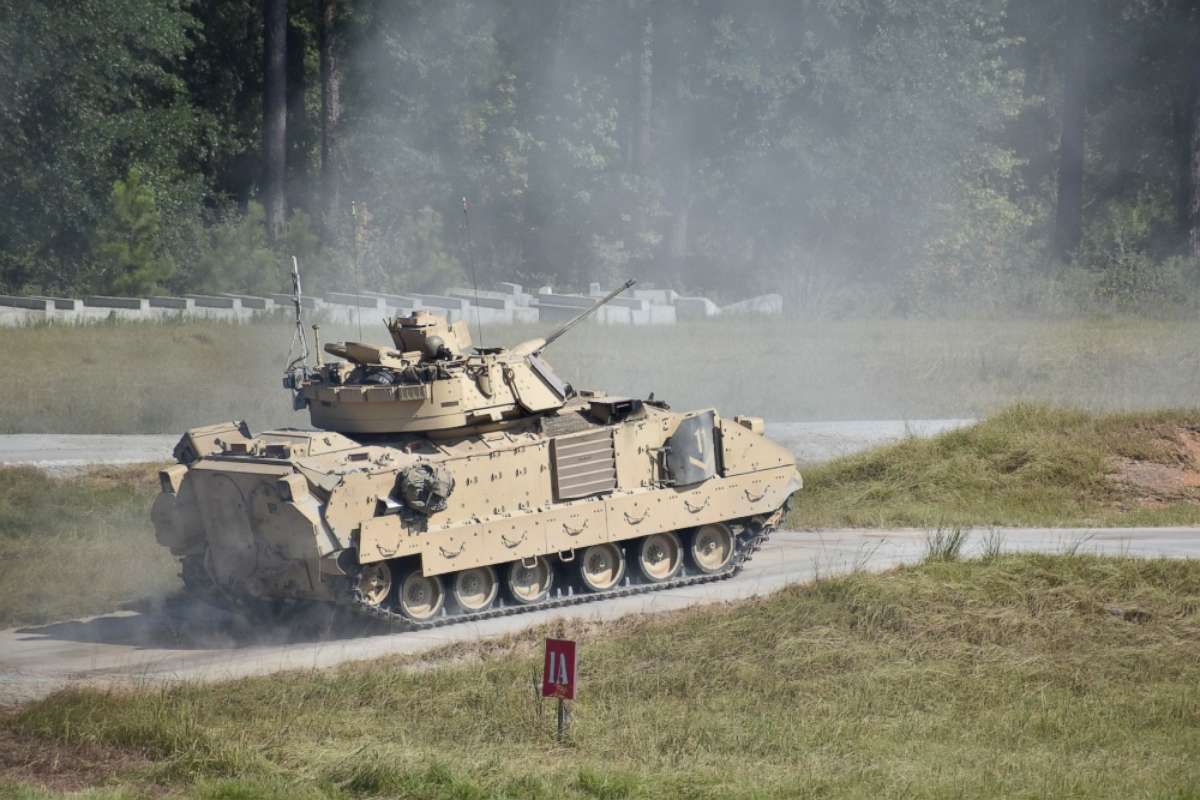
point(1028, 465)
point(78, 545)
point(1010, 677)
point(167, 377)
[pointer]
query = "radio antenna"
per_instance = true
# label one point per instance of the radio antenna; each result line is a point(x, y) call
point(302, 359)
point(471, 266)
point(357, 287)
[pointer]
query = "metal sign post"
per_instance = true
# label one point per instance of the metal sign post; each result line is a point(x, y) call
point(558, 678)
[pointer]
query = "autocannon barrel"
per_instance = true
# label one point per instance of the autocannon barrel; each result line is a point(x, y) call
point(587, 312)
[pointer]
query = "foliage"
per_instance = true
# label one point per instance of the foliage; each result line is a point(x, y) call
point(88, 93)
point(234, 257)
point(864, 157)
point(129, 247)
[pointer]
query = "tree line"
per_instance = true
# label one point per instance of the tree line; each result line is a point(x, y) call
point(862, 155)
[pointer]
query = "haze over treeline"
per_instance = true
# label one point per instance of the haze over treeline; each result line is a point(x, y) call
point(864, 157)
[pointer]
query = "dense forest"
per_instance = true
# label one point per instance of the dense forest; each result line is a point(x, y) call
point(863, 156)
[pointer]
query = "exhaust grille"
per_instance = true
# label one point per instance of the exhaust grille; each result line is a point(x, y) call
point(583, 465)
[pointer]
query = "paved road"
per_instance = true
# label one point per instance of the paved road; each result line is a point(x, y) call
point(165, 646)
point(810, 441)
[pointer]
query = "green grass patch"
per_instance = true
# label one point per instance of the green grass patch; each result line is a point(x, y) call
point(1014, 676)
point(78, 544)
point(1027, 465)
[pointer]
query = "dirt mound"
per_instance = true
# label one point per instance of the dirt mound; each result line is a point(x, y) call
point(1172, 476)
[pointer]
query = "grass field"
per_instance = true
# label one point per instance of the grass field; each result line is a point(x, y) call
point(1028, 465)
point(168, 377)
point(78, 545)
point(1015, 676)
point(84, 544)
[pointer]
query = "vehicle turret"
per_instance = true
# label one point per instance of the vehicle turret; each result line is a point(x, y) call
point(432, 380)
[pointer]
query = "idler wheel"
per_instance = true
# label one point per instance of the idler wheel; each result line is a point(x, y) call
point(660, 556)
point(530, 584)
point(601, 567)
point(375, 583)
point(474, 589)
point(421, 596)
point(712, 548)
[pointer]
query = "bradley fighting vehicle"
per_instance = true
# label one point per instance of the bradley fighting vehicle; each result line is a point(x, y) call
point(450, 483)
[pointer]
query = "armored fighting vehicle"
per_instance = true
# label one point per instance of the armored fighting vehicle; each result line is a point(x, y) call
point(448, 483)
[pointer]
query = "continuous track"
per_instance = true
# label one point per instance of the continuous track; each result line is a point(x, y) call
point(746, 543)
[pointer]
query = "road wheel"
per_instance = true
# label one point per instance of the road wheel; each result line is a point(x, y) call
point(712, 548)
point(530, 584)
point(601, 567)
point(421, 597)
point(375, 583)
point(660, 556)
point(474, 589)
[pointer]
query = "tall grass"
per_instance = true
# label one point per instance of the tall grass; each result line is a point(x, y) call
point(945, 544)
point(1027, 465)
point(77, 545)
point(1005, 678)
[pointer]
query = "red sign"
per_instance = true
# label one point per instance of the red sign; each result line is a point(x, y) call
point(558, 678)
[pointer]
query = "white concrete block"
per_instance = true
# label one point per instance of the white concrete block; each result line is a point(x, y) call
point(762, 304)
point(693, 308)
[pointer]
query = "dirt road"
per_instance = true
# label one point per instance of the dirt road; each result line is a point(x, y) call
point(180, 643)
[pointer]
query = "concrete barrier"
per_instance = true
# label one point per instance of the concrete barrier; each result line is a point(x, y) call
point(99, 307)
point(762, 304)
point(515, 291)
point(401, 302)
point(505, 303)
point(125, 303)
point(16, 311)
point(179, 304)
point(455, 308)
point(571, 300)
point(355, 300)
point(27, 303)
point(693, 308)
point(349, 308)
point(550, 310)
point(219, 307)
point(493, 308)
point(253, 302)
point(662, 297)
point(661, 315)
point(483, 298)
point(306, 301)
point(63, 303)
point(215, 301)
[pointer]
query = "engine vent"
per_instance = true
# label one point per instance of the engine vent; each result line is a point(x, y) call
point(583, 465)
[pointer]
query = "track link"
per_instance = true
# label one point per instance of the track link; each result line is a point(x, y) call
point(747, 544)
